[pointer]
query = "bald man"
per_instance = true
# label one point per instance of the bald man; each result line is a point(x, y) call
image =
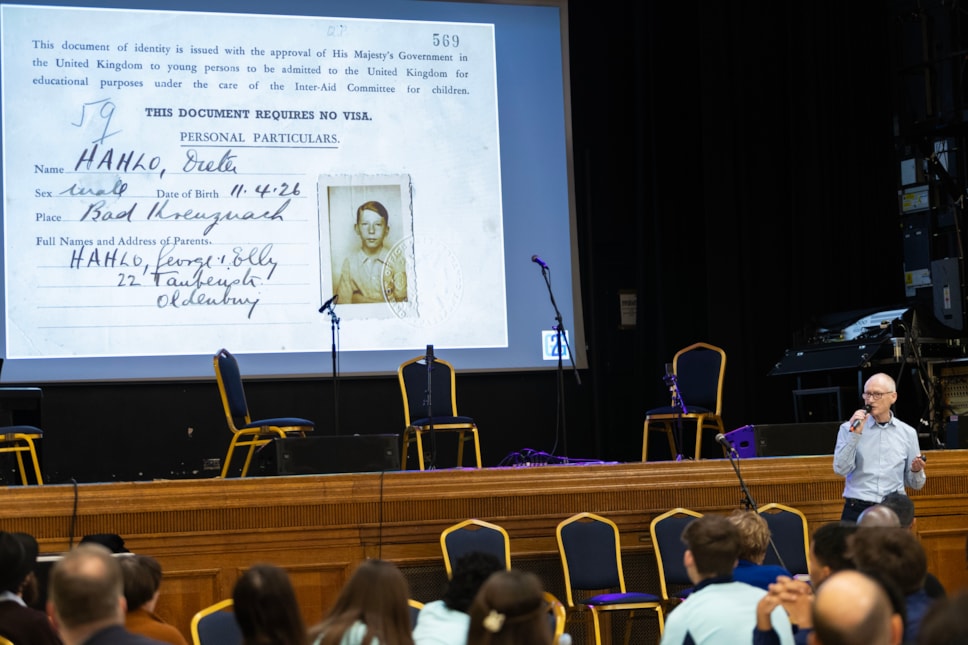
point(879, 515)
point(852, 608)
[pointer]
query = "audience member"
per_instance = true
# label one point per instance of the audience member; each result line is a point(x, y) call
point(903, 506)
point(755, 539)
point(445, 621)
point(719, 611)
point(371, 607)
point(86, 599)
point(851, 608)
point(18, 622)
point(946, 622)
point(266, 608)
point(827, 555)
point(509, 609)
point(879, 515)
point(896, 554)
point(142, 583)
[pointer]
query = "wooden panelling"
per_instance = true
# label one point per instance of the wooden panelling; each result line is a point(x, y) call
point(318, 527)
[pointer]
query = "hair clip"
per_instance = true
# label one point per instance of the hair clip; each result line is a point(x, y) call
point(494, 621)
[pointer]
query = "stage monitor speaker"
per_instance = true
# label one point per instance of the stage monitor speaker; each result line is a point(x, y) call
point(785, 439)
point(334, 454)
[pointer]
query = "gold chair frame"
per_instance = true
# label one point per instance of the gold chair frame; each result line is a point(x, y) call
point(19, 443)
point(222, 605)
point(473, 525)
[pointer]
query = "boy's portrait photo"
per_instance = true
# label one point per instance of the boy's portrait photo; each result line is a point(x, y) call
point(369, 226)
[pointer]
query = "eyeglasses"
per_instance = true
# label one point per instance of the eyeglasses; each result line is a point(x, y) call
point(875, 396)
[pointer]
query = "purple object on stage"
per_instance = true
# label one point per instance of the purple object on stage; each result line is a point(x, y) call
point(744, 441)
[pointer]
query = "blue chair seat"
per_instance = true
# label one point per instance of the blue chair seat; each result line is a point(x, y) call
point(280, 422)
point(628, 598)
point(442, 421)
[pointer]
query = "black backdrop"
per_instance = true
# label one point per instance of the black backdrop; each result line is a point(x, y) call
point(735, 167)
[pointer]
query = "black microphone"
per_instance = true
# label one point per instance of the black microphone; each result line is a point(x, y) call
point(723, 441)
point(856, 423)
point(539, 261)
point(430, 355)
point(328, 303)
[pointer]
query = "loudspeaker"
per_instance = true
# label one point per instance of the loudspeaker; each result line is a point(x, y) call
point(785, 439)
point(338, 454)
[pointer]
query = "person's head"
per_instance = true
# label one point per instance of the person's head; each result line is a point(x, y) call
point(18, 556)
point(902, 506)
point(372, 225)
point(142, 579)
point(880, 392)
point(851, 608)
point(754, 535)
point(828, 551)
point(895, 552)
point(510, 609)
point(85, 588)
point(376, 594)
point(946, 621)
point(266, 609)
point(712, 547)
point(878, 515)
point(470, 572)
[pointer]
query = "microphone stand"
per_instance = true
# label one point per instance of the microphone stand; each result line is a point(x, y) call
point(334, 327)
point(559, 334)
point(747, 500)
point(679, 407)
point(430, 408)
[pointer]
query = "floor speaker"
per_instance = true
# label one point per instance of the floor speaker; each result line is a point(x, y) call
point(337, 454)
point(792, 439)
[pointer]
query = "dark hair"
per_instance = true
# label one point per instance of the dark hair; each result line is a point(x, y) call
point(18, 555)
point(85, 586)
point(266, 608)
point(374, 206)
point(829, 545)
point(470, 572)
point(375, 595)
point(902, 506)
point(510, 609)
point(945, 622)
point(715, 544)
point(142, 578)
point(895, 552)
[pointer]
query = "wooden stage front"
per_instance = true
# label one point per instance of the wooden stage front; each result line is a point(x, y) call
point(205, 532)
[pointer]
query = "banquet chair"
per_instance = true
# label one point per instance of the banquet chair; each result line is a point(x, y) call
point(698, 370)
point(791, 536)
point(557, 615)
point(591, 559)
point(474, 535)
point(22, 439)
point(245, 431)
point(215, 625)
point(414, 378)
point(414, 606)
point(666, 532)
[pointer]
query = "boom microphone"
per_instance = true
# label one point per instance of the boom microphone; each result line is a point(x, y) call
point(856, 424)
point(329, 303)
point(723, 441)
point(539, 261)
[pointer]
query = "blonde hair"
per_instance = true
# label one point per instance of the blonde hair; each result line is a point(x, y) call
point(754, 535)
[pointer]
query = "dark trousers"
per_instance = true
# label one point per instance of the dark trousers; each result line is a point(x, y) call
point(853, 508)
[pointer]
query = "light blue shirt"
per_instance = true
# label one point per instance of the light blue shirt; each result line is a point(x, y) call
point(437, 624)
point(877, 461)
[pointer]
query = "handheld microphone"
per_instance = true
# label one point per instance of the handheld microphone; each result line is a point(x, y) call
point(856, 423)
point(329, 303)
point(539, 261)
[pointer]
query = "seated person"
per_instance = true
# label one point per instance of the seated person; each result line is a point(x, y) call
point(754, 535)
point(142, 583)
point(510, 609)
point(266, 608)
point(445, 621)
point(20, 623)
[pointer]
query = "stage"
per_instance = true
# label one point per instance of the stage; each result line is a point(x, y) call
point(205, 532)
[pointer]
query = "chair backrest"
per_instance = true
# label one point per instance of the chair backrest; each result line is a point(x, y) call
point(591, 554)
point(230, 388)
point(4, 641)
point(474, 535)
point(557, 615)
point(791, 535)
point(215, 625)
point(666, 530)
point(413, 377)
point(699, 370)
point(415, 606)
